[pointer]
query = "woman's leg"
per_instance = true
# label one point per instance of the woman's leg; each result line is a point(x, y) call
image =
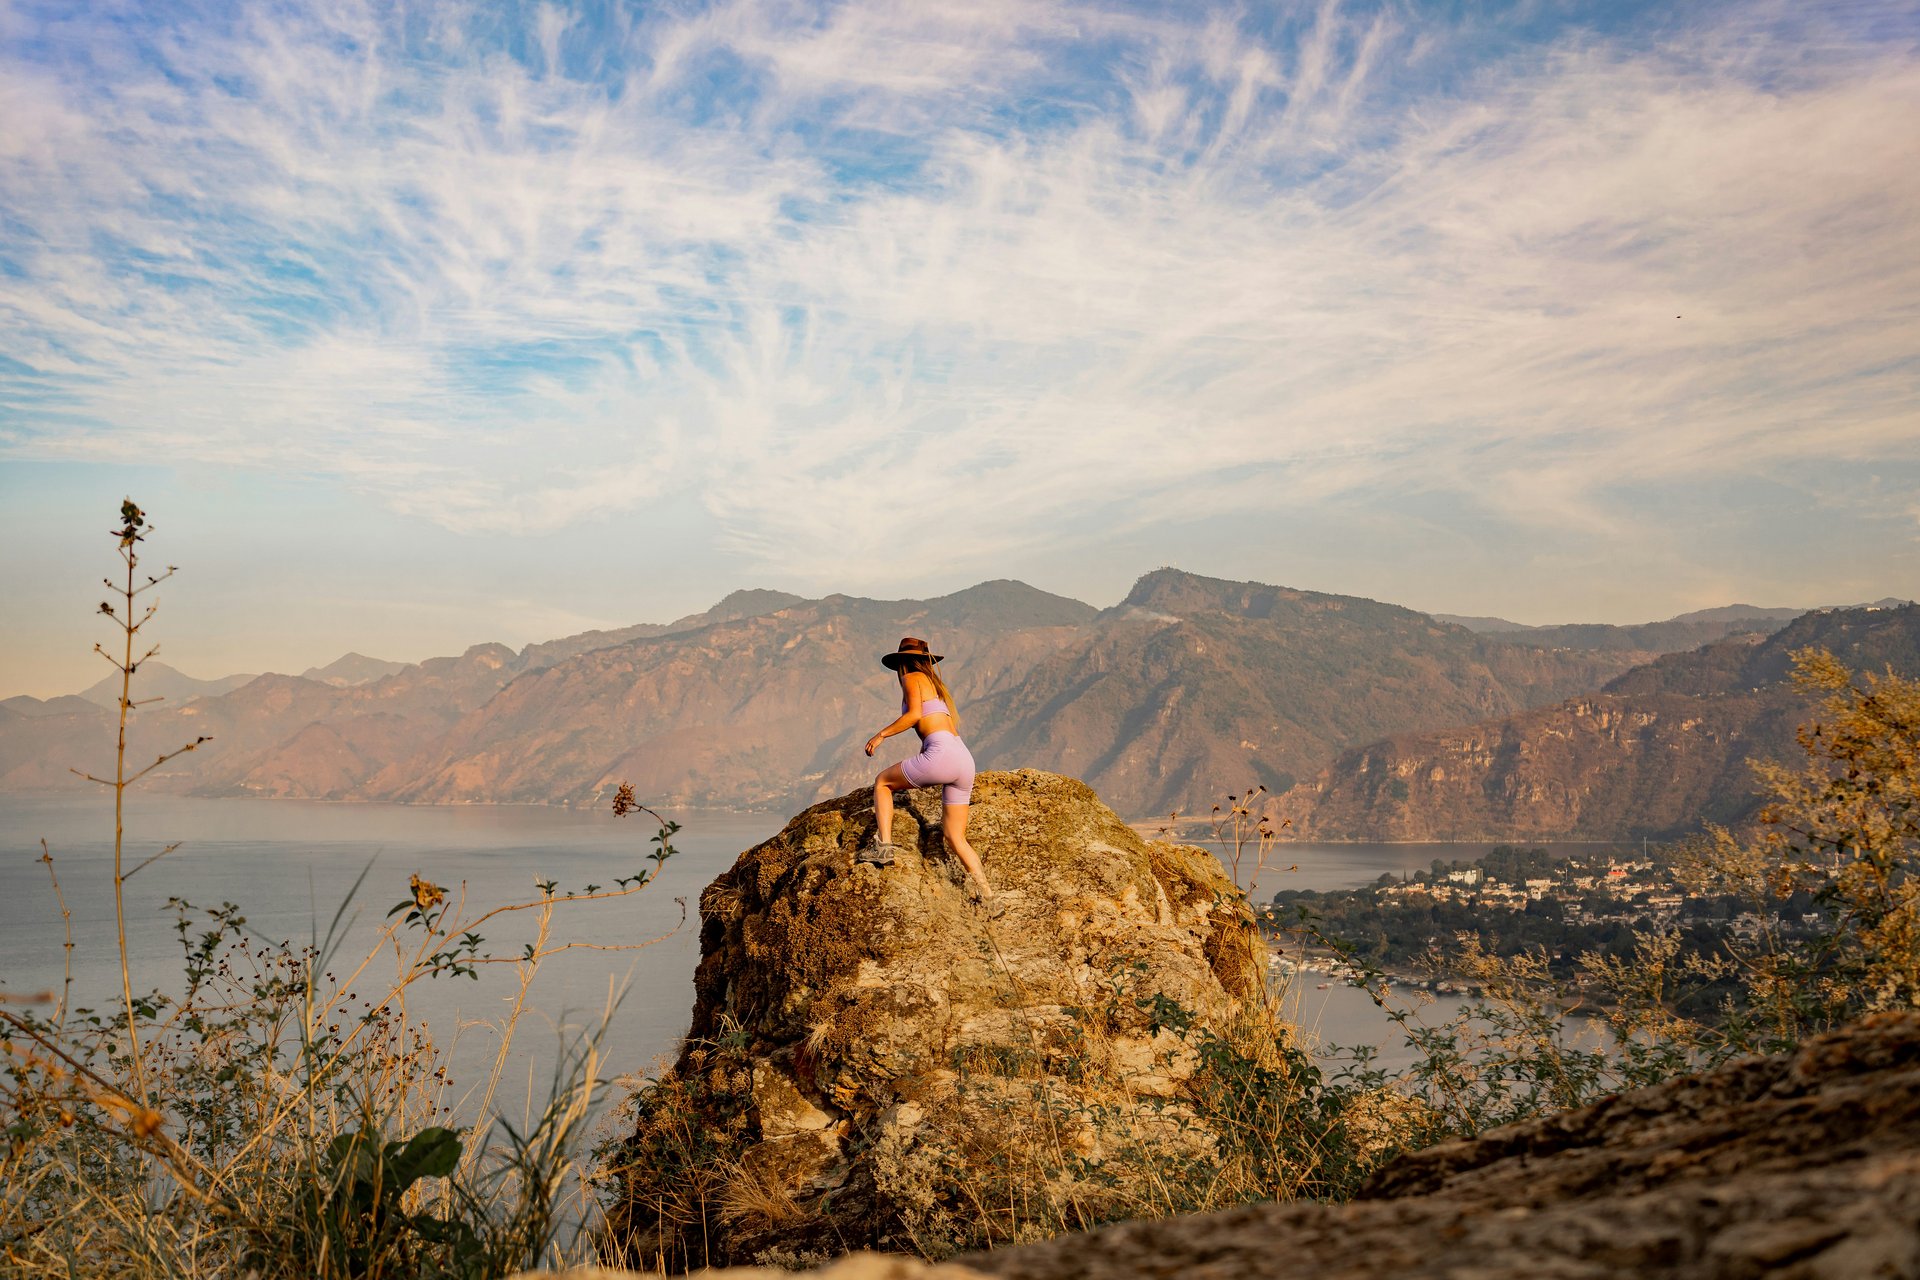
point(891, 779)
point(954, 823)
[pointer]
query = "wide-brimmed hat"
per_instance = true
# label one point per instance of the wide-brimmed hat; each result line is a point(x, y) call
point(910, 647)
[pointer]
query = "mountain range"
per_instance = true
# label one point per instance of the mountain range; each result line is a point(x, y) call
point(1655, 752)
point(1189, 688)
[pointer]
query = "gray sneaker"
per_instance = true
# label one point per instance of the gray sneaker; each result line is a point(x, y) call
point(876, 854)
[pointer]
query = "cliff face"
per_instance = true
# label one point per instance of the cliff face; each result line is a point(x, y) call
point(868, 1048)
point(1662, 749)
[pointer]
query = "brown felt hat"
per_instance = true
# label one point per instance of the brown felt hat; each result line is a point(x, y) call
point(910, 647)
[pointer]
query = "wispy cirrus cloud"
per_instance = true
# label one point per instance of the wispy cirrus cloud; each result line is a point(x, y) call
point(1054, 265)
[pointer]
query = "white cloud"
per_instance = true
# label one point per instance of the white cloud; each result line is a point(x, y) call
point(502, 297)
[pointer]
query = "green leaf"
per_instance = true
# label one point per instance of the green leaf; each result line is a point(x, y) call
point(431, 1153)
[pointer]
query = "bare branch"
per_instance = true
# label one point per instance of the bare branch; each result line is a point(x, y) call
point(66, 921)
point(168, 756)
point(150, 861)
point(587, 946)
point(153, 582)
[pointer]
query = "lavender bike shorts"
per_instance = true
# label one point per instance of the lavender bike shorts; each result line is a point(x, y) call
point(943, 759)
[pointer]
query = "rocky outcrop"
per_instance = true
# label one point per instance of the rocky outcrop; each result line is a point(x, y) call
point(872, 1058)
point(1805, 1165)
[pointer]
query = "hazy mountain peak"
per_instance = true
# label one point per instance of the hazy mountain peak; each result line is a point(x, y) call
point(352, 669)
point(1177, 592)
point(1008, 603)
point(1482, 624)
point(751, 602)
point(1738, 613)
point(158, 680)
point(34, 708)
point(1170, 590)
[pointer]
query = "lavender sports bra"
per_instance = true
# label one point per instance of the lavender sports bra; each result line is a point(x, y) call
point(928, 707)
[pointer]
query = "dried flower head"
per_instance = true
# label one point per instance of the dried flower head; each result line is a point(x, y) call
point(426, 894)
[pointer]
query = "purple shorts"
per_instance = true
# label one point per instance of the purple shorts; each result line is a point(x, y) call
point(943, 760)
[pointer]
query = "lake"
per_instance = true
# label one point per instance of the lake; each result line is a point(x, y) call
point(290, 865)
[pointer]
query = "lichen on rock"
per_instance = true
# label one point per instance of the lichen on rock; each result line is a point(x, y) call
point(874, 1063)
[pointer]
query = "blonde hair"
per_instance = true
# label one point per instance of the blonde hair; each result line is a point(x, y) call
point(926, 668)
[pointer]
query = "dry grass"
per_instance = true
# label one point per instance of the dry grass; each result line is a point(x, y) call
point(266, 1126)
point(275, 1110)
point(758, 1198)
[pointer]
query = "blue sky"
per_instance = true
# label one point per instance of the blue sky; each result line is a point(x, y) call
point(423, 325)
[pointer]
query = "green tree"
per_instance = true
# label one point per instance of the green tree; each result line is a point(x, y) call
point(1842, 828)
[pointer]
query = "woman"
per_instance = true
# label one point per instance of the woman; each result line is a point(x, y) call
point(926, 707)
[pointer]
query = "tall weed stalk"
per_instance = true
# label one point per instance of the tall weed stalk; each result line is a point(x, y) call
point(277, 1111)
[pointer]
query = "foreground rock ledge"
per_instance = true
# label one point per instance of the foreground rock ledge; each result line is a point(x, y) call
point(873, 1063)
point(1803, 1165)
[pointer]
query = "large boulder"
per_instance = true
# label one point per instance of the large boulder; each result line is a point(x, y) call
point(876, 1063)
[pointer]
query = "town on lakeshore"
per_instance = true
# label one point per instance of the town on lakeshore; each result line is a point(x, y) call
point(1564, 908)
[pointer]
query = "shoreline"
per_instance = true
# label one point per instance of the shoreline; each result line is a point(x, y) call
point(1146, 828)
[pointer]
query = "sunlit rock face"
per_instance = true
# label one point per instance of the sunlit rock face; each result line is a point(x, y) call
point(869, 1049)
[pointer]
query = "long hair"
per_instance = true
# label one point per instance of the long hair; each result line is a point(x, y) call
point(926, 668)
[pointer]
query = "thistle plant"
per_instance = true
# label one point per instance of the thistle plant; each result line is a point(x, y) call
point(133, 531)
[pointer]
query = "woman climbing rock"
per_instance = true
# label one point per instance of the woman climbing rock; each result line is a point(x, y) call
point(926, 707)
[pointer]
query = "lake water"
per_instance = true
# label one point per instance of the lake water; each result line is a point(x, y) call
point(291, 864)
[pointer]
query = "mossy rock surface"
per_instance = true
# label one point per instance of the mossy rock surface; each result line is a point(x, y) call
point(868, 1048)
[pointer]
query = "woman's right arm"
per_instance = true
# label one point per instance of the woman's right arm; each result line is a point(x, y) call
point(906, 720)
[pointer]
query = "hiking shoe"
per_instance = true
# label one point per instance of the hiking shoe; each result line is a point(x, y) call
point(995, 905)
point(876, 854)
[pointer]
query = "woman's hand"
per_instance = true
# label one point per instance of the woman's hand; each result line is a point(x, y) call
point(874, 742)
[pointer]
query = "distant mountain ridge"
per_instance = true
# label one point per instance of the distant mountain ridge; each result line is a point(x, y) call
point(351, 669)
point(1685, 631)
point(1682, 631)
point(1186, 689)
point(1660, 749)
point(1189, 687)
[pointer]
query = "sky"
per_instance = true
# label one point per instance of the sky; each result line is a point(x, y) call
point(420, 325)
